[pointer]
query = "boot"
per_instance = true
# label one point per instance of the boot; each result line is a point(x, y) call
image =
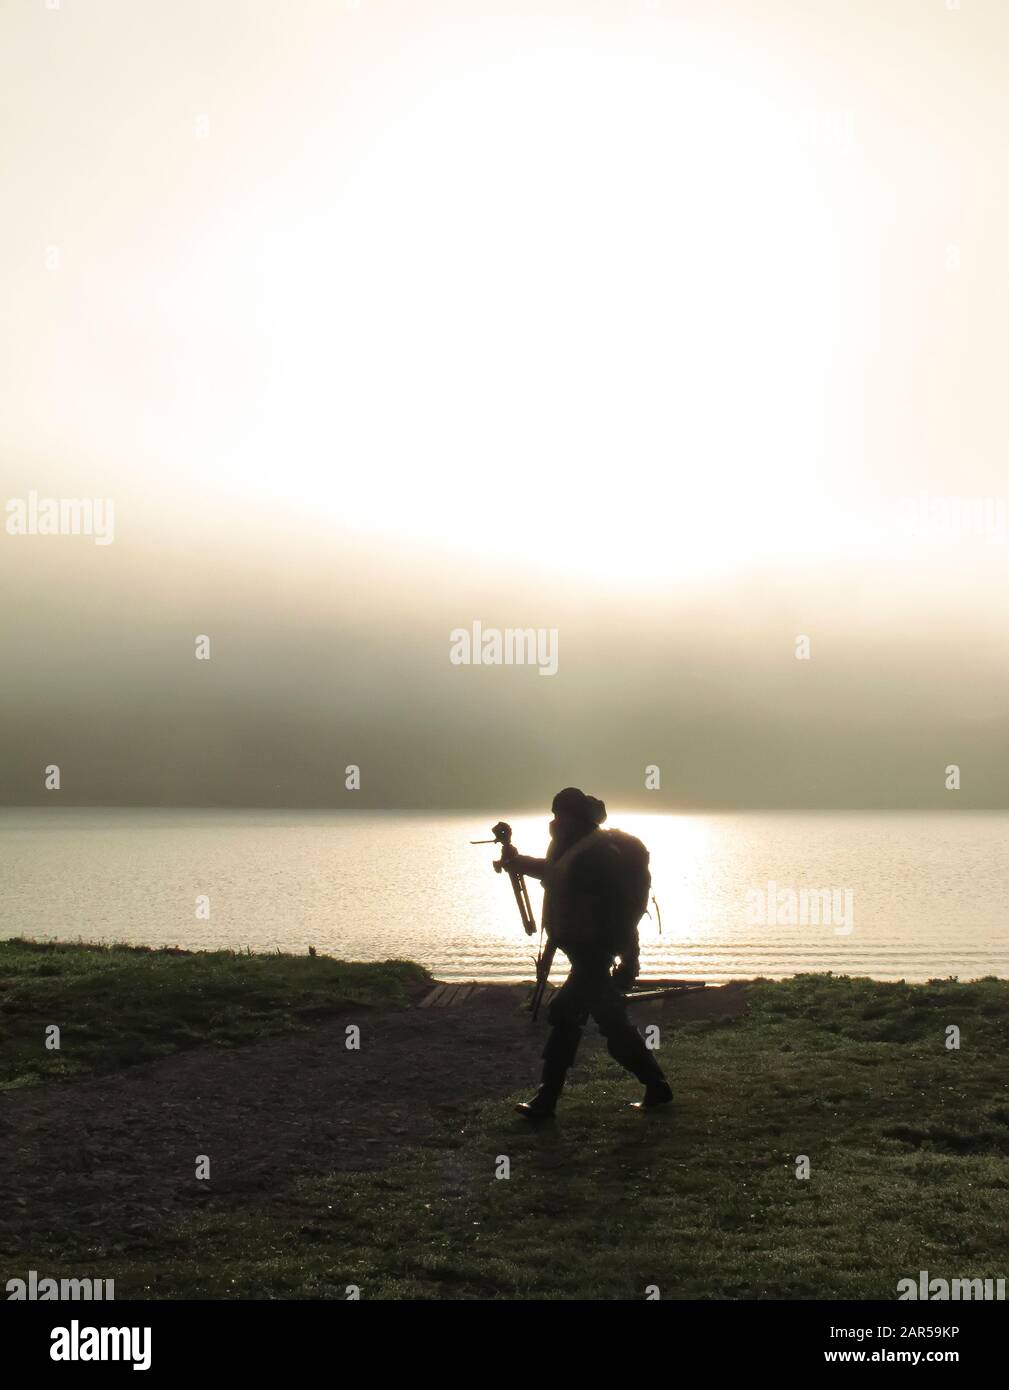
point(656, 1093)
point(541, 1107)
point(558, 1054)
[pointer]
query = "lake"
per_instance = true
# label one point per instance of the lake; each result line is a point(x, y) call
point(928, 891)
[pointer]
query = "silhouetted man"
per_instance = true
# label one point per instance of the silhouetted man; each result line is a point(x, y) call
point(595, 890)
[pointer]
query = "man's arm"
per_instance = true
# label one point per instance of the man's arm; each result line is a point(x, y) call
point(627, 971)
point(526, 864)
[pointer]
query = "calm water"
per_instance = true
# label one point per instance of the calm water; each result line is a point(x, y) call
point(930, 891)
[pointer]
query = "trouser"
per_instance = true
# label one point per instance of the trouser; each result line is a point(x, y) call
point(590, 990)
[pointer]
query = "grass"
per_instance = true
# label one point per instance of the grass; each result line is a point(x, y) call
point(117, 1006)
point(907, 1142)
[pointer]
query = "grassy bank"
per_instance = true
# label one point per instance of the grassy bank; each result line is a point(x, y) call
point(907, 1142)
point(117, 1006)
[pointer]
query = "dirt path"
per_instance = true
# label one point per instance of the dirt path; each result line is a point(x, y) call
point(111, 1159)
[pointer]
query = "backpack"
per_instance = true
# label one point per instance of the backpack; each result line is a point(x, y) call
point(632, 882)
point(597, 892)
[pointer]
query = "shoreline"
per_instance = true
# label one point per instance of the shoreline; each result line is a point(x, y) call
point(712, 980)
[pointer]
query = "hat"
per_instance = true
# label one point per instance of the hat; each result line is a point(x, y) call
point(573, 802)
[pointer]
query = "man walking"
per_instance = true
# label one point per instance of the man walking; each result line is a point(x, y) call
point(595, 886)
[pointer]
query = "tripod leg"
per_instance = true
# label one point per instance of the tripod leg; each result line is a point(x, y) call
point(527, 910)
point(522, 898)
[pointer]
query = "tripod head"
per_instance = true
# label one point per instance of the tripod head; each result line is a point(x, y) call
point(502, 833)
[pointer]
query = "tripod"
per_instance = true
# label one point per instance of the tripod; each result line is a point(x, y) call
point(502, 833)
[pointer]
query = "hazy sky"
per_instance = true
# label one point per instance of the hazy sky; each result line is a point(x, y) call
point(676, 329)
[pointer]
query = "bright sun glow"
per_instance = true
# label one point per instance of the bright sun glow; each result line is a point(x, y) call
point(565, 312)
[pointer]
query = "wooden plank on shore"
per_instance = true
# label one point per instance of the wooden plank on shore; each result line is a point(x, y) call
point(657, 982)
point(461, 993)
point(432, 998)
point(448, 997)
point(662, 993)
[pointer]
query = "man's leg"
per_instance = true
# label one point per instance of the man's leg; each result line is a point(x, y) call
point(567, 1015)
point(625, 1044)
